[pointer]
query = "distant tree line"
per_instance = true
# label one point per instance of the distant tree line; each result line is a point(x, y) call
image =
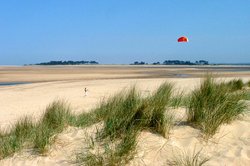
point(139, 63)
point(174, 62)
point(68, 63)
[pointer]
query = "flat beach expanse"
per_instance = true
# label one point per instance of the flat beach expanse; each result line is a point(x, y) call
point(42, 85)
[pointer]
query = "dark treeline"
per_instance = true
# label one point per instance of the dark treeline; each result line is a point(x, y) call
point(139, 63)
point(174, 62)
point(166, 62)
point(68, 63)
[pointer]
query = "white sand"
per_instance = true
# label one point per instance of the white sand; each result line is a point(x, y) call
point(32, 99)
point(231, 146)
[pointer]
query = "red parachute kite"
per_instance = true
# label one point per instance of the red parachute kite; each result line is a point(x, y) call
point(183, 39)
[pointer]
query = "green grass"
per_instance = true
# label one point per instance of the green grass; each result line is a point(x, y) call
point(154, 115)
point(84, 119)
point(13, 141)
point(234, 85)
point(90, 156)
point(214, 104)
point(40, 135)
point(54, 120)
point(121, 110)
point(128, 113)
point(126, 149)
point(186, 159)
point(96, 115)
point(108, 152)
point(177, 101)
point(248, 83)
point(247, 95)
point(58, 116)
point(132, 111)
point(118, 136)
point(124, 116)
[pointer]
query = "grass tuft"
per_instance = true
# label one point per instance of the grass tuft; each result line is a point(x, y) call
point(247, 95)
point(13, 141)
point(214, 104)
point(126, 114)
point(248, 83)
point(55, 118)
point(234, 85)
point(154, 115)
point(121, 112)
point(185, 159)
point(108, 152)
point(90, 155)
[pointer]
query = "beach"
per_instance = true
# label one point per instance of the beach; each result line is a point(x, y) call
point(45, 84)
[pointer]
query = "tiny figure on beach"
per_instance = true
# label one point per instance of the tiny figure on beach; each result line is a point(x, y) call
point(85, 91)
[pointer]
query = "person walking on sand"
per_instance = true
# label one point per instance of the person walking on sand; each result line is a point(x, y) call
point(85, 91)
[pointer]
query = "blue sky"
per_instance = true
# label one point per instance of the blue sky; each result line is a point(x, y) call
point(124, 31)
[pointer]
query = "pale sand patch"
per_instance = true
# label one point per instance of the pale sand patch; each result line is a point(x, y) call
point(231, 146)
point(32, 99)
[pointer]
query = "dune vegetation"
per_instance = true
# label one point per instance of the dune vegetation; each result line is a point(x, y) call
point(124, 115)
point(129, 113)
point(248, 83)
point(184, 158)
point(214, 104)
point(234, 85)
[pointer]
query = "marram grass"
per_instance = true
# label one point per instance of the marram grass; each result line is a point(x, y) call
point(213, 104)
point(12, 141)
point(155, 115)
point(41, 134)
point(248, 83)
point(184, 158)
point(54, 120)
point(128, 114)
point(235, 84)
point(125, 115)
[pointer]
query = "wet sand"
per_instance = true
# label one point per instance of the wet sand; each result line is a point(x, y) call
point(94, 72)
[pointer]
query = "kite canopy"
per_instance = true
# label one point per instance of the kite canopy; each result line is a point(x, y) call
point(183, 39)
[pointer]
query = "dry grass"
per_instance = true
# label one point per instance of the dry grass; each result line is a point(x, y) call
point(184, 158)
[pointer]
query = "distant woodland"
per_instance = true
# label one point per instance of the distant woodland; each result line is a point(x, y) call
point(166, 62)
point(68, 63)
point(174, 62)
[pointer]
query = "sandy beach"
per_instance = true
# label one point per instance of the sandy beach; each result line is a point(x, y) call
point(230, 146)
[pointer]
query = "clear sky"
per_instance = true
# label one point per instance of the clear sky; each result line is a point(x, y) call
point(124, 31)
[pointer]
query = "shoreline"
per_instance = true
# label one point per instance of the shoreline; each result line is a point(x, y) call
point(35, 74)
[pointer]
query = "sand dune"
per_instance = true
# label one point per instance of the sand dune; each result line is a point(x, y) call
point(230, 146)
